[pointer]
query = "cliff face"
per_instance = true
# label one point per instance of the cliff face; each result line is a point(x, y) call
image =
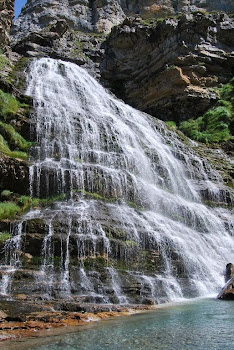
point(79, 15)
point(6, 17)
point(170, 69)
point(101, 16)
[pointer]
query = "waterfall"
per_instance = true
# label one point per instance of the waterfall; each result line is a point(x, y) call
point(132, 226)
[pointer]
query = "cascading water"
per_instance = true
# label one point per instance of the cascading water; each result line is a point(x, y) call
point(133, 226)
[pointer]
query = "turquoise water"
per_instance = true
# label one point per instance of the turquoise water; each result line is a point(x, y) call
point(203, 325)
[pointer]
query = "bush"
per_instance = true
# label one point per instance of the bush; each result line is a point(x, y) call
point(216, 125)
point(6, 194)
point(9, 210)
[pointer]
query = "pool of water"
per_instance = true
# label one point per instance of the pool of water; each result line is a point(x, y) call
point(201, 324)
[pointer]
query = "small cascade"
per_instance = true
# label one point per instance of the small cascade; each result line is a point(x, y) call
point(13, 259)
point(128, 223)
point(115, 283)
point(47, 267)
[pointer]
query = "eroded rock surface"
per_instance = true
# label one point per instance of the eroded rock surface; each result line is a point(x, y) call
point(169, 69)
point(14, 175)
point(6, 17)
point(101, 16)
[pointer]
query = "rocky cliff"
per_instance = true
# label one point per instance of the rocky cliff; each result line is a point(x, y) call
point(101, 16)
point(6, 17)
point(170, 69)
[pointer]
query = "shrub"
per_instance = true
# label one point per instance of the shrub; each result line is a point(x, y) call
point(217, 124)
point(8, 210)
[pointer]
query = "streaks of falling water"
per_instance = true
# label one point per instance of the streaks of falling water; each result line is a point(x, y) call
point(132, 193)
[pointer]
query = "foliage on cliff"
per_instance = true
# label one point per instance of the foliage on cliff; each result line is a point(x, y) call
point(217, 124)
point(12, 143)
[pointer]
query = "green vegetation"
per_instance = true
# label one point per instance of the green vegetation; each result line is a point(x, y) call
point(153, 21)
point(131, 244)
point(13, 137)
point(9, 210)
point(16, 76)
point(171, 124)
point(4, 148)
point(78, 50)
point(19, 205)
point(6, 194)
point(5, 66)
point(12, 143)
point(217, 124)
point(8, 105)
point(96, 196)
point(4, 236)
point(97, 262)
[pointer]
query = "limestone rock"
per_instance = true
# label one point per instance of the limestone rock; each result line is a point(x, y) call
point(101, 16)
point(6, 17)
point(81, 15)
point(169, 68)
point(3, 316)
point(14, 175)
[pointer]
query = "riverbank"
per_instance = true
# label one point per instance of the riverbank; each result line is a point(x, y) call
point(193, 324)
point(18, 322)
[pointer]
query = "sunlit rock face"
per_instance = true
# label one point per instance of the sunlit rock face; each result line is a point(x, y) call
point(83, 15)
point(6, 17)
point(168, 68)
point(102, 15)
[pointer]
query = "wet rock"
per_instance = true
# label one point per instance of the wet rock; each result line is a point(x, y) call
point(227, 293)
point(71, 307)
point(148, 301)
point(14, 175)
point(229, 273)
point(3, 316)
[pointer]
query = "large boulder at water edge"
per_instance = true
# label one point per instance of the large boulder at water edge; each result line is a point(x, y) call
point(228, 290)
point(227, 293)
point(229, 273)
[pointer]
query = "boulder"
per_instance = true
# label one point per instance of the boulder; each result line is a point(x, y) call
point(227, 293)
point(229, 273)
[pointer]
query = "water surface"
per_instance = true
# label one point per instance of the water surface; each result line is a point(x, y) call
point(201, 325)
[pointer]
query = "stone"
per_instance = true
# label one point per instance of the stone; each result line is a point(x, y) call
point(229, 273)
point(101, 16)
point(3, 316)
point(14, 175)
point(227, 293)
point(170, 68)
point(6, 17)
